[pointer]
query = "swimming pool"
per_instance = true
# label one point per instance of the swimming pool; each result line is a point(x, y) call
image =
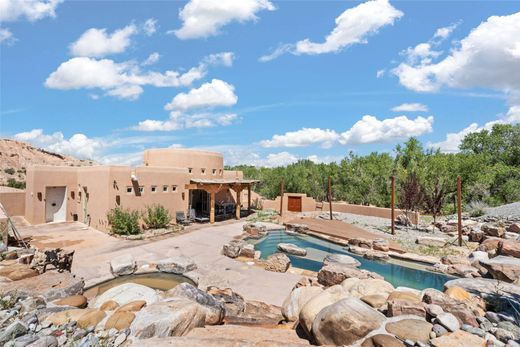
point(398, 273)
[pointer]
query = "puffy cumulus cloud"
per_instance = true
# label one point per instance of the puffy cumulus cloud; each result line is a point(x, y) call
point(78, 145)
point(444, 32)
point(453, 140)
point(31, 10)
point(98, 43)
point(210, 95)
point(227, 119)
point(303, 137)
point(178, 121)
point(152, 59)
point(410, 107)
point(485, 58)
point(353, 26)
point(6, 36)
point(204, 18)
point(370, 129)
point(125, 80)
point(150, 26)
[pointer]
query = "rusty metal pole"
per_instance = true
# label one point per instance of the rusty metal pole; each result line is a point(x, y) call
point(392, 215)
point(330, 197)
point(281, 198)
point(459, 209)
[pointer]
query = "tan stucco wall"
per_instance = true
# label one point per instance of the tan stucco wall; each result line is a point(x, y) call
point(13, 202)
point(308, 203)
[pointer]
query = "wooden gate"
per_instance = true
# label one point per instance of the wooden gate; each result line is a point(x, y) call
point(294, 203)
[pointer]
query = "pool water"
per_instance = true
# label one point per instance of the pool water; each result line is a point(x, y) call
point(397, 273)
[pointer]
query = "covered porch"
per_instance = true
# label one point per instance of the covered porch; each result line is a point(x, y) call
point(203, 193)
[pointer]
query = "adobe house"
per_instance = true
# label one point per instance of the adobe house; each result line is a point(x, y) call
point(178, 179)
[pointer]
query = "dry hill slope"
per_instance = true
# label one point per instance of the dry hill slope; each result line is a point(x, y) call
point(16, 156)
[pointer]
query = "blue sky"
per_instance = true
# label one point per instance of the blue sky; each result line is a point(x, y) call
point(265, 82)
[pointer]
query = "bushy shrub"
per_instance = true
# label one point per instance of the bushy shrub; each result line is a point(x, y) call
point(157, 217)
point(15, 184)
point(476, 208)
point(124, 222)
point(10, 171)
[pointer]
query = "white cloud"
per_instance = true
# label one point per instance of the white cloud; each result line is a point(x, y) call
point(178, 121)
point(411, 107)
point(303, 137)
point(204, 18)
point(353, 26)
point(444, 32)
point(380, 73)
point(280, 159)
point(227, 119)
point(209, 95)
point(150, 26)
point(125, 80)
point(78, 145)
point(152, 59)
point(6, 36)
point(98, 43)
point(453, 140)
point(370, 129)
point(31, 10)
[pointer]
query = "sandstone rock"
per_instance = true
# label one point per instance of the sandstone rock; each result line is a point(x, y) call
point(360, 242)
point(296, 300)
point(511, 327)
point(341, 259)
point(476, 236)
point(410, 329)
point(464, 311)
point(177, 265)
point(490, 289)
point(405, 303)
point(123, 265)
point(215, 309)
point(336, 273)
point(15, 329)
point(403, 220)
point(459, 338)
point(448, 321)
point(476, 256)
point(454, 260)
point(132, 306)
point(328, 297)
point(232, 249)
point(439, 330)
point(492, 230)
point(514, 228)
point(509, 248)
point(458, 293)
point(45, 341)
point(381, 245)
point(361, 287)
point(67, 316)
point(433, 310)
point(257, 313)
point(125, 293)
point(490, 245)
point(247, 251)
point(374, 300)
point(21, 274)
point(172, 318)
point(292, 249)
point(277, 262)
point(255, 229)
point(503, 268)
point(90, 319)
point(461, 270)
point(376, 255)
point(382, 340)
point(109, 305)
point(357, 250)
point(431, 241)
point(345, 322)
point(399, 295)
point(234, 303)
point(120, 320)
point(78, 301)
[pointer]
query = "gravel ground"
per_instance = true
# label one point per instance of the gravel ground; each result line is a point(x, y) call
point(505, 211)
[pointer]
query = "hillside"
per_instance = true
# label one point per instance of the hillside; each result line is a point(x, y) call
point(16, 156)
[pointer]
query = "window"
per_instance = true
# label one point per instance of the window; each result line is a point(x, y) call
point(129, 189)
point(165, 189)
point(154, 189)
point(118, 200)
point(190, 169)
point(183, 196)
point(220, 172)
point(214, 172)
point(174, 189)
point(72, 194)
point(203, 171)
point(141, 189)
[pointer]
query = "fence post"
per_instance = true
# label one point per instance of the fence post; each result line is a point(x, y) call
point(392, 214)
point(330, 197)
point(281, 197)
point(459, 209)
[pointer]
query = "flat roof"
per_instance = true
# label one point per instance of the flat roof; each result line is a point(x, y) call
point(222, 181)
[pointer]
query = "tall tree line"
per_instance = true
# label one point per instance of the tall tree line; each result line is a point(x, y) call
point(488, 163)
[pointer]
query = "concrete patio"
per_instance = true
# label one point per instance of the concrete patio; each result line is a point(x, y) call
point(95, 249)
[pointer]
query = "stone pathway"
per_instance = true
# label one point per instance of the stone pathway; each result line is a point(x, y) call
point(95, 249)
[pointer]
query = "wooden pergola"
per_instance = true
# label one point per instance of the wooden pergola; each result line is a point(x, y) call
point(213, 186)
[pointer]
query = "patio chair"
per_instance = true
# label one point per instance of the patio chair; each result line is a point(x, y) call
point(181, 218)
point(198, 219)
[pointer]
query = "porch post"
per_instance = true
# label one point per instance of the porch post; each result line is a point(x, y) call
point(237, 209)
point(249, 198)
point(212, 206)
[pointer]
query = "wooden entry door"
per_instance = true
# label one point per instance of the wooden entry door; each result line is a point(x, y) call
point(294, 203)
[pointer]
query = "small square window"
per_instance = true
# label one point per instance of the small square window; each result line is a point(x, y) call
point(141, 189)
point(154, 189)
point(190, 169)
point(214, 171)
point(203, 171)
point(164, 189)
point(128, 189)
point(174, 189)
point(220, 172)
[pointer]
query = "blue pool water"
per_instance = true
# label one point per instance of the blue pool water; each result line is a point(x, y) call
point(317, 249)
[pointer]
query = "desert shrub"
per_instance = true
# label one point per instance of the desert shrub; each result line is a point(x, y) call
point(157, 217)
point(476, 208)
point(15, 184)
point(124, 222)
point(10, 171)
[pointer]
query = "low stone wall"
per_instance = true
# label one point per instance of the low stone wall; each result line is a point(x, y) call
point(13, 202)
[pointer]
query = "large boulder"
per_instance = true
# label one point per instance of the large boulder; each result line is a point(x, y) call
point(90, 319)
point(490, 245)
point(247, 251)
point(493, 230)
point(369, 286)
point(178, 265)
point(336, 273)
point(310, 310)
point(215, 309)
point(67, 316)
point(410, 329)
point(360, 242)
point(120, 320)
point(381, 245)
point(431, 241)
point(123, 265)
point(405, 303)
point(514, 228)
point(343, 259)
point(292, 249)
point(466, 312)
point(382, 340)
point(277, 262)
point(15, 329)
point(458, 338)
point(257, 313)
point(234, 303)
point(296, 300)
point(125, 293)
point(78, 301)
point(175, 317)
point(503, 268)
point(345, 322)
point(509, 248)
